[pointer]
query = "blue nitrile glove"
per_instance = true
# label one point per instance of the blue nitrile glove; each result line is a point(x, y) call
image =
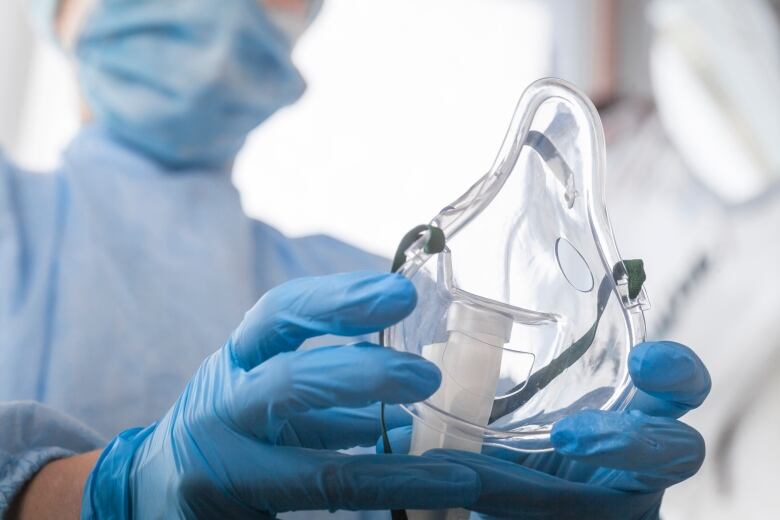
point(606, 465)
point(253, 432)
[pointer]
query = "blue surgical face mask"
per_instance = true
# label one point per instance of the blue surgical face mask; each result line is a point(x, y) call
point(184, 81)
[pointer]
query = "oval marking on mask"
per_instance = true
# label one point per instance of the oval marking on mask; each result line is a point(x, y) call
point(573, 266)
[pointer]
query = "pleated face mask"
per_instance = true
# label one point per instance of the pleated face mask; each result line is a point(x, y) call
point(184, 81)
point(523, 300)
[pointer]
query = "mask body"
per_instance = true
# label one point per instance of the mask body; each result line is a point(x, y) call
point(184, 81)
point(527, 309)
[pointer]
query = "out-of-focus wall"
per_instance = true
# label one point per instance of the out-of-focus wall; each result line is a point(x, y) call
point(408, 103)
point(16, 53)
point(602, 46)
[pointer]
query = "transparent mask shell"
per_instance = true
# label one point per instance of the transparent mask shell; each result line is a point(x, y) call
point(531, 240)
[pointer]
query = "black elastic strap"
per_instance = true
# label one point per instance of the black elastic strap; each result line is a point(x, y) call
point(634, 270)
point(434, 244)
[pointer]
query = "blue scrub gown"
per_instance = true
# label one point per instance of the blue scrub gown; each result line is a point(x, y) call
point(117, 278)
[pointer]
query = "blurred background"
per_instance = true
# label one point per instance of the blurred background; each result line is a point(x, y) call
point(383, 113)
point(406, 106)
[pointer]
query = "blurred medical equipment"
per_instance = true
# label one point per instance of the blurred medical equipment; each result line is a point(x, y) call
point(718, 61)
point(714, 179)
point(730, 83)
point(702, 241)
point(601, 47)
point(700, 251)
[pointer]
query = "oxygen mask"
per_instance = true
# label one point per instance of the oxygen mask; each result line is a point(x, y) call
point(524, 302)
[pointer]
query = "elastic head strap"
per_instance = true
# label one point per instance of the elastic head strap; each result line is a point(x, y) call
point(525, 391)
point(434, 244)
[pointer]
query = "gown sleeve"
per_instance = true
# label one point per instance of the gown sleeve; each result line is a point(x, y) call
point(32, 435)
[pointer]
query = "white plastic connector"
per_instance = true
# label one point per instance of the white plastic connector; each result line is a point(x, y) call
point(470, 363)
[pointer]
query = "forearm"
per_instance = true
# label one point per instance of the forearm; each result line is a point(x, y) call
point(56, 490)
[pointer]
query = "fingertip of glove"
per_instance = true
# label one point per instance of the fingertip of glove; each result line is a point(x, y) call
point(421, 376)
point(563, 438)
point(698, 453)
point(389, 297)
point(667, 366)
point(428, 372)
point(403, 290)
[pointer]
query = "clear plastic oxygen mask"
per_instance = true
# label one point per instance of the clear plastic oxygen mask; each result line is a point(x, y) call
point(523, 300)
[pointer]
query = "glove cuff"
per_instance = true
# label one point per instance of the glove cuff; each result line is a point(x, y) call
point(107, 493)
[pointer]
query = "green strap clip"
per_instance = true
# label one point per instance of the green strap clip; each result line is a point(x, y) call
point(434, 244)
point(634, 271)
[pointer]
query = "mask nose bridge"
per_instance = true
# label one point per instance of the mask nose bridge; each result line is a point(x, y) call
point(553, 158)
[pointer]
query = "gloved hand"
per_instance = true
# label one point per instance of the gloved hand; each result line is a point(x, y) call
point(606, 465)
point(252, 433)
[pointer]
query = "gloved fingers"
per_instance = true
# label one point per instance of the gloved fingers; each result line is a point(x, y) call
point(311, 480)
point(352, 376)
point(670, 378)
point(510, 490)
point(340, 428)
point(658, 451)
point(347, 304)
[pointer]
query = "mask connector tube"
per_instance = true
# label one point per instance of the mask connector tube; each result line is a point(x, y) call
point(470, 363)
